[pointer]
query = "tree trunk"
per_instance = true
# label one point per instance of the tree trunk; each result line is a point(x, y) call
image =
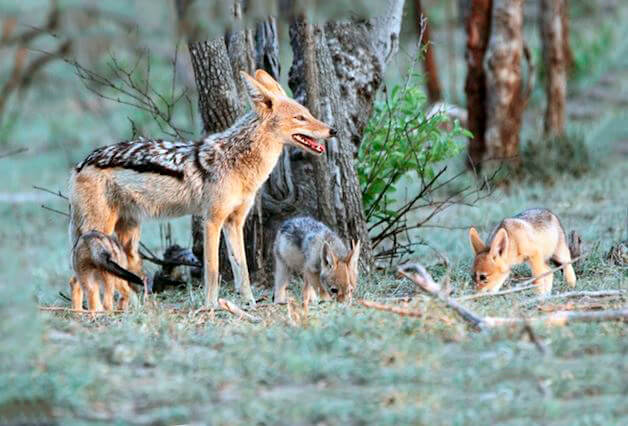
point(344, 64)
point(503, 81)
point(429, 60)
point(564, 15)
point(551, 24)
point(478, 31)
point(219, 105)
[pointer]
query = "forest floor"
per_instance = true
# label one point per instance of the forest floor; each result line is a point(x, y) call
point(344, 364)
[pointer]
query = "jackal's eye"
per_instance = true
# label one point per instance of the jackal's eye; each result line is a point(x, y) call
point(300, 118)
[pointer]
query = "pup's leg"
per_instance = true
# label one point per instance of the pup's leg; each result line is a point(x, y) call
point(320, 289)
point(310, 283)
point(539, 267)
point(93, 291)
point(211, 240)
point(562, 256)
point(77, 294)
point(108, 281)
point(282, 278)
point(234, 233)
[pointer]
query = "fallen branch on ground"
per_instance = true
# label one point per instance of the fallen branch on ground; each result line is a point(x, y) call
point(417, 274)
point(561, 318)
point(573, 294)
point(234, 309)
point(390, 308)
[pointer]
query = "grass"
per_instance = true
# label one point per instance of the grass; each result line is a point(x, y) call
point(345, 364)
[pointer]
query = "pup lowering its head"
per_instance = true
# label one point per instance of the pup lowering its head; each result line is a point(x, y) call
point(533, 236)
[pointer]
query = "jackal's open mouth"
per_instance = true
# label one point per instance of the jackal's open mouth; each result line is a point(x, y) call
point(309, 143)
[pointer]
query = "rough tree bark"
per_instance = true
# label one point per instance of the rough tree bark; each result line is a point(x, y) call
point(502, 65)
point(430, 67)
point(551, 25)
point(348, 60)
point(478, 32)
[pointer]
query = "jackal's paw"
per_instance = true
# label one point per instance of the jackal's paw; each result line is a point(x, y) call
point(250, 303)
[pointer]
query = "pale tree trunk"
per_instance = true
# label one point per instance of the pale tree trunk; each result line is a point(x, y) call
point(478, 31)
point(503, 81)
point(430, 67)
point(551, 24)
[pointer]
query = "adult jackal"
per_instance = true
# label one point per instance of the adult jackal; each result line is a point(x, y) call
point(118, 186)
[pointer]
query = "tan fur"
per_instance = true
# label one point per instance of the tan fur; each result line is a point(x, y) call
point(534, 237)
point(93, 257)
point(119, 186)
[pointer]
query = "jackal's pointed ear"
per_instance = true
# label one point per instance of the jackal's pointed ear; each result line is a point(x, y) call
point(476, 242)
point(263, 99)
point(269, 82)
point(499, 245)
point(354, 255)
point(328, 258)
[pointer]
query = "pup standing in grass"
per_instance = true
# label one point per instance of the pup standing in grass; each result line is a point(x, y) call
point(304, 244)
point(533, 236)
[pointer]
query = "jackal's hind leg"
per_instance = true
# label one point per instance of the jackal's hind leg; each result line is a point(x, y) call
point(562, 256)
point(282, 279)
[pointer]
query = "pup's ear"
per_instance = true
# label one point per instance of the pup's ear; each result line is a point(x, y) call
point(354, 256)
point(263, 99)
point(328, 258)
point(499, 245)
point(476, 242)
point(269, 82)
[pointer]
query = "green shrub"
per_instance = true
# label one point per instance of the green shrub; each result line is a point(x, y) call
point(400, 139)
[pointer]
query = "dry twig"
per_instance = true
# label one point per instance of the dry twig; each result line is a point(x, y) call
point(390, 308)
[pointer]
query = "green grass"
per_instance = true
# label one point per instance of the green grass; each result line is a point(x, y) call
point(345, 364)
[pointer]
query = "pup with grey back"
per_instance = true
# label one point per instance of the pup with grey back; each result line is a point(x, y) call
point(329, 268)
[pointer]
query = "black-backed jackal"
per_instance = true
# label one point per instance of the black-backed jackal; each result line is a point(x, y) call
point(305, 245)
point(533, 236)
point(99, 259)
point(118, 186)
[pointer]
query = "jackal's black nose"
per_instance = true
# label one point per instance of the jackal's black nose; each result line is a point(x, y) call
point(332, 131)
point(334, 290)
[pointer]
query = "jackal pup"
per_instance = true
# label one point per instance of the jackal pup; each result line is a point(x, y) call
point(99, 259)
point(533, 236)
point(304, 244)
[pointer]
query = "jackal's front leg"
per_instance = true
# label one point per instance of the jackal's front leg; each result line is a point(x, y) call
point(211, 240)
point(234, 233)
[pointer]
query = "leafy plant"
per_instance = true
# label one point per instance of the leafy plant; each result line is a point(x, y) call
point(401, 139)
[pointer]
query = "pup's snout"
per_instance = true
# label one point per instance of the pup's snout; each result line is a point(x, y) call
point(333, 290)
point(332, 131)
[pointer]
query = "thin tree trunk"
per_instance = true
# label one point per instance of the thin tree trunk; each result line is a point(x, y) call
point(219, 105)
point(429, 60)
point(551, 24)
point(502, 65)
point(478, 31)
point(564, 15)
